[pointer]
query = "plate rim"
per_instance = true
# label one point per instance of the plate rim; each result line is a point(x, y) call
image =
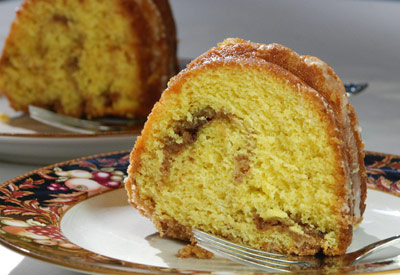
point(116, 266)
point(71, 135)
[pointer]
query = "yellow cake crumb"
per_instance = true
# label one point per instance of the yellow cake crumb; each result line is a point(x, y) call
point(194, 251)
point(4, 118)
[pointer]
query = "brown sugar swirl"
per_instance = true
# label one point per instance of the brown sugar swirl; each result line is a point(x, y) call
point(186, 132)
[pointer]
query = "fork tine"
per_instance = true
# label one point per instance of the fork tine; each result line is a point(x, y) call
point(249, 255)
point(211, 237)
point(250, 261)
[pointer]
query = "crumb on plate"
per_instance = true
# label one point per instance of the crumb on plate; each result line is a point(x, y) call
point(194, 251)
point(4, 118)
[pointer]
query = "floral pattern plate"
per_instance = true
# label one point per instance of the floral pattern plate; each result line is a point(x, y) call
point(75, 214)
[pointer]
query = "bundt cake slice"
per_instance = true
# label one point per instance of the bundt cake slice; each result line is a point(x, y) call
point(256, 144)
point(91, 58)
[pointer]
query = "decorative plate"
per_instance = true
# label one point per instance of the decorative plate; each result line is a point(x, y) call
point(75, 214)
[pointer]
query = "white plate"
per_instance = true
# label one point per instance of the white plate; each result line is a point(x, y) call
point(46, 150)
point(25, 140)
point(68, 214)
point(108, 226)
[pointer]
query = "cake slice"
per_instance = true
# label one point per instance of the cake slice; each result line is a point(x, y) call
point(91, 58)
point(256, 144)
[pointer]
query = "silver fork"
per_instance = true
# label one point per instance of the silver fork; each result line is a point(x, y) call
point(352, 88)
point(83, 126)
point(285, 263)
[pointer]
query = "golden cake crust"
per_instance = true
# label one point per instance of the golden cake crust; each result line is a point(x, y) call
point(326, 94)
point(153, 47)
point(154, 23)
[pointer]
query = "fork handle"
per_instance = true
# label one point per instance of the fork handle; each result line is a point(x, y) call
point(376, 246)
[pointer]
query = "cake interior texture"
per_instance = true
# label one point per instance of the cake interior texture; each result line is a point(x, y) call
point(86, 58)
point(243, 149)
